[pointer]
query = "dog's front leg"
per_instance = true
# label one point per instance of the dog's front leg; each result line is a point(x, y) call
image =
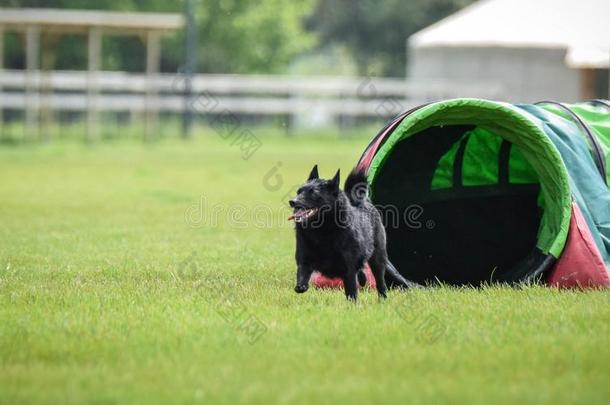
point(303, 276)
point(350, 282)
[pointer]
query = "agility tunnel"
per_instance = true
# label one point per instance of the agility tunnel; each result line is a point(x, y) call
point(474, 191)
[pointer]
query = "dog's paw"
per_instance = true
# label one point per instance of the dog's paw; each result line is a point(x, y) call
point(300, 289)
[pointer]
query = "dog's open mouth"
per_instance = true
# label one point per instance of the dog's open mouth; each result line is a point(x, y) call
point(301, 214)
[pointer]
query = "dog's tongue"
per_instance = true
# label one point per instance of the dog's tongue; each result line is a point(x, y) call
point(297, 214)
point(301, 213)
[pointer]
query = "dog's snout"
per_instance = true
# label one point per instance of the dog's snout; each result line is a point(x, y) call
point(292, 203)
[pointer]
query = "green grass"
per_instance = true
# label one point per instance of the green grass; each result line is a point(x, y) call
point(107, 294)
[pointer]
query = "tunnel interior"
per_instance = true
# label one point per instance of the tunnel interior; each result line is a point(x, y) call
point(461, 206)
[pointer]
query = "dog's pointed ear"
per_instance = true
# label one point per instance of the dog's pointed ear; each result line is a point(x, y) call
point(335, 180)
point(314, 173)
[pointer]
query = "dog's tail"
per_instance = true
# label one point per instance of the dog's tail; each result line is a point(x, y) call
point(356, 187)
point(394, 279)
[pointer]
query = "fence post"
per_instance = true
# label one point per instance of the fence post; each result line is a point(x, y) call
point(190, 62)
point(32, 51)
point(47, 63)
point(153, 59)
point(94, 57)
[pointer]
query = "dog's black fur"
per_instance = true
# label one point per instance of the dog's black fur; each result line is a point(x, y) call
point(338, 231)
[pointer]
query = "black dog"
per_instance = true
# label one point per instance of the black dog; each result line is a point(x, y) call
point(338, 232)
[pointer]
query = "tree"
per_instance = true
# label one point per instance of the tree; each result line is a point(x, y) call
point(235, 36)
point(254, 37)
point(376, 31)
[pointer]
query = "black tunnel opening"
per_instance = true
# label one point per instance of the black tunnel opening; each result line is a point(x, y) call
point(462, 235)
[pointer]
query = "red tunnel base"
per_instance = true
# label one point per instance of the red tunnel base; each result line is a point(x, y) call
point(318, 280)
point(581, 264)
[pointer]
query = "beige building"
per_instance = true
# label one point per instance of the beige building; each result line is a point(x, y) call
point(531, 49)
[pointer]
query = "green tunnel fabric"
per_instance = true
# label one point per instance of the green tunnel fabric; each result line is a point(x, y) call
point(587, 186)
point(496, 120)
point(595, 115)
point(480, 166)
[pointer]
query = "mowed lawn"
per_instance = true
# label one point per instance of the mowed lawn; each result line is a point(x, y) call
point(164, 272)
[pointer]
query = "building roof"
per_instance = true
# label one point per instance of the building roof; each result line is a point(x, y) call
point(582, 27)
point(82, 19)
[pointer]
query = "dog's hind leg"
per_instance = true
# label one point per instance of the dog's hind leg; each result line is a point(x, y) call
point(377, 263)
point(362, 278)
point(350, 284)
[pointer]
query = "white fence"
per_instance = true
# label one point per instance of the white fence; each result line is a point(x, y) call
point(39, 92)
